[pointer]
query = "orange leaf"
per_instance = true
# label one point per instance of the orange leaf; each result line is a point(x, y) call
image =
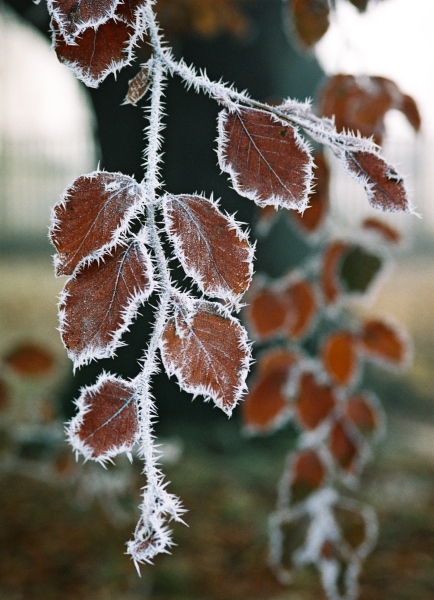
point(107, 421)
point(207, 350)
point(360, 412)
point(266, 313)
point(386, 231)
point(315, 401)
point(29, 360)
point(383, 185)
point(383, 341)
point(342, 447)
point(330, 269)
point(311, 19)
point(339, 357)
point(99, 303)
point(307, 476)
point(211, 247)
point(301, 308)
point(266, 158)
point(266, 404)
point(91, 216)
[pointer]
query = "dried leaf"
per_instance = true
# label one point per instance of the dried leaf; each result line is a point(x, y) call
point(409, 108)
point(330, 270)
point(266, 313)
point(29, 360)
point(139, 85)
point(266, 158)
point(386, 231)
point(339, 357)
point(383, 185)
point(99, 303)
point(308, 474)
point(310, 20)
point(352, 525)
point(301, 308)
point(362, 414)
point(91, 217)
point(211, 247)
point(343, 448)
point(266, 404)
point(315, 401)
point(107, 422)
point(313, 218)
point(75, 15)
point(207, 350)
point(383, 341)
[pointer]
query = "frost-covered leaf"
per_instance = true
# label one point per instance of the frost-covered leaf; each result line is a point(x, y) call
point(343, 447)
point(339, 357)
point(384, 230)
point(307, 475)
point(384, 186)
point(310, 19)
point(266, 405)
point(208, 352)
point(301, 307)
point(315, 401)
point(93, 213)
point(312, 219)
point(384, 342)
point(98, 52)
point(329, 273)
point(360, 411)
point(359, 269)
point(139, 85)
point(73, 16)
point(107, 421)
point(29, 360)
point(211, 247)
point(266, 313)
point(100, 302)
point(266, 158)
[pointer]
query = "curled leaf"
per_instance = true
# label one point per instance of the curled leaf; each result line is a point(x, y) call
point(211, 247)
point(266, 404)
point(99, 303)
point(93, 213)
point(384, 230)
point(383, 185)
point(384, 342)
point(107, 420)
point(139, 85)
point(265, 157)
point(207, 350)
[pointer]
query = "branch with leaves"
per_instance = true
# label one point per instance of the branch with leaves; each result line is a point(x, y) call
point(113, 266)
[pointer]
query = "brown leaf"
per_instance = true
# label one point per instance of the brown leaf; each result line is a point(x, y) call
point(207, 350)
point(352, 525)
point(107, 422)
point(139, 85)
point(307, 476)
point(384, 342)
point(383, 185)
point(339, 357)
point(310, 19)
point(315, 401)
point(360, 412)
point(301, 308)
point(342, 447)
point(266, 404)
point(409, 108)
point(312, 219)
point(386, 231)
point(266, 158)
point(4, 395)
point(30, 360)
point(91, 217)
point(330, 270)
point(75, 15)
point(266, 313)
point(211, 247)
point(99, 303)
point(361, 5)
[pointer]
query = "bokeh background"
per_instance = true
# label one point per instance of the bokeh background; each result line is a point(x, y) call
point(63, 529)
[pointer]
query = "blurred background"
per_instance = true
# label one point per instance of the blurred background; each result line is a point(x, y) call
point(63, 528)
